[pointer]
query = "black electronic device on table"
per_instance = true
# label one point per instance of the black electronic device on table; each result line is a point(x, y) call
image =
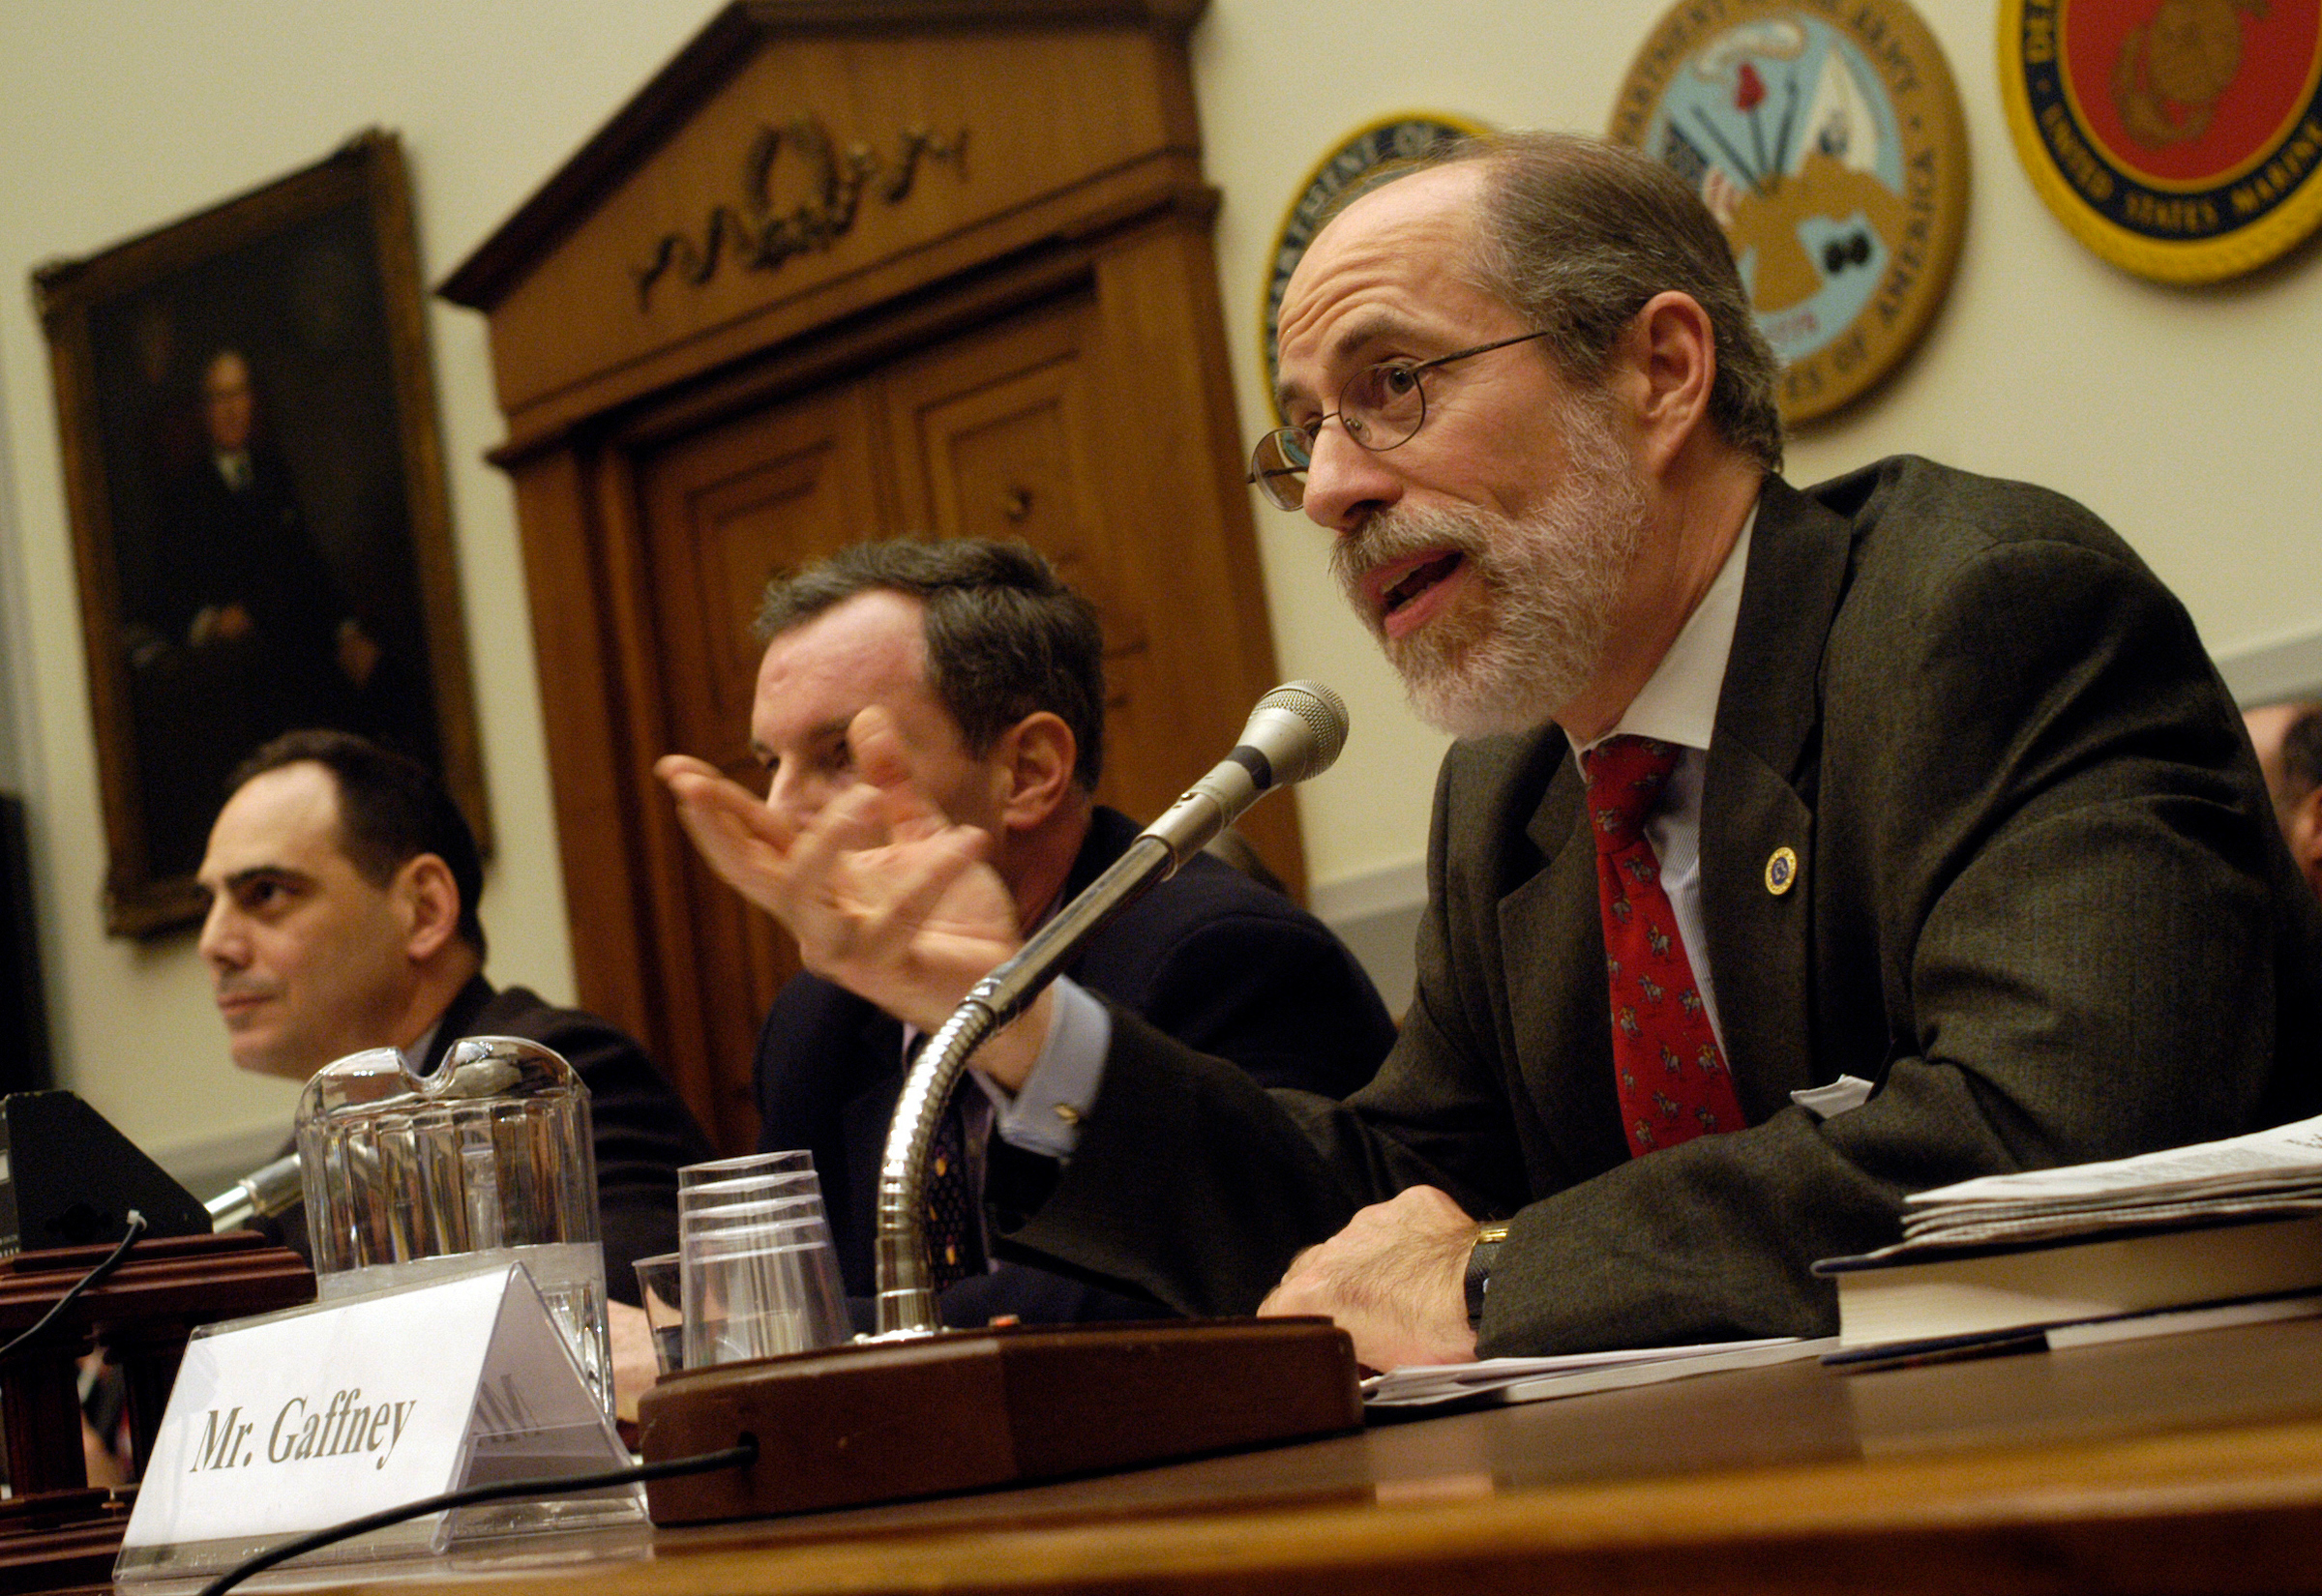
point(67, 1178)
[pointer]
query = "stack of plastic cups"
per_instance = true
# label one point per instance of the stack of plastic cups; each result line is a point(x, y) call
point(757, 1271)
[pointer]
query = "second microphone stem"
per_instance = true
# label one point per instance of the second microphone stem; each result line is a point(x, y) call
point(906, 1299)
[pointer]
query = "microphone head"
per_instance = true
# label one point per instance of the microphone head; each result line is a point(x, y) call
point(1300, 728)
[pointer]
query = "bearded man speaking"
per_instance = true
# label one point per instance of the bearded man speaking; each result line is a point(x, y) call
point(1800, 849)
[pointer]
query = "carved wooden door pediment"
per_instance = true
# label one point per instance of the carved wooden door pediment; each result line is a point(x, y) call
point(842, 272)
point(801, 162)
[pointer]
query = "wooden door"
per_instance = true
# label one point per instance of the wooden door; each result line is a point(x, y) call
point(724, 510)
point(996, 436)
point(835, 272)
point(992, 433)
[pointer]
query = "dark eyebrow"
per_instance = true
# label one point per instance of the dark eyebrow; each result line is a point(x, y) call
point(263, 873)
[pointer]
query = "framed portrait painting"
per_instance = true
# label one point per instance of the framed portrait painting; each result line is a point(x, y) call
point(255, 485)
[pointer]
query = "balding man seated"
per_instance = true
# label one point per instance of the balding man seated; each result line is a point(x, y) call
point(344, 886)
point(1802, 847)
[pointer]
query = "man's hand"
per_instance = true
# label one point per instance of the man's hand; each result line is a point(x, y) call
point(884, 894)
point(635, 1370)
point(1395, 1279)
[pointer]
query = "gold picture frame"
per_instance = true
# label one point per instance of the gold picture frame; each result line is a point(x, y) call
point(255, 479)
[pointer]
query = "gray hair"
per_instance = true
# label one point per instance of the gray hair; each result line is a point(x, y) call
point(1005, 637)
point(1577, 235)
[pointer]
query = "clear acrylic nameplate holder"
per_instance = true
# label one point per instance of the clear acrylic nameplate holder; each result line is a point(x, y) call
point(287, 1422)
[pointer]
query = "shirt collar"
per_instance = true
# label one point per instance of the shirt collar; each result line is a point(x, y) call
point(1678, 701)
point(415, 1056)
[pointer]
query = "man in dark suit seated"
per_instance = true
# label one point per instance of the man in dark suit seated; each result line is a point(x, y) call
point(991, 672)
point(344, 886)
point(1800, 849)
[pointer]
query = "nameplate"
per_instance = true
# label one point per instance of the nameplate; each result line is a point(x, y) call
point(282, 1425)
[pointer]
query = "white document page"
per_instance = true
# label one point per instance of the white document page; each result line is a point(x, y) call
point(1571, 1373)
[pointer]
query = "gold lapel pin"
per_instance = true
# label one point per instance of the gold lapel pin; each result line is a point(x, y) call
point(1781, 871)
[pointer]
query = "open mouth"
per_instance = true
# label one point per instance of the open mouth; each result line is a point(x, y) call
point(1418, 579)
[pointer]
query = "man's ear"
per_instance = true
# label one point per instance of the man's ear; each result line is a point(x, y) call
point(429, 899)
point(1668, 357)
point(1035, 756)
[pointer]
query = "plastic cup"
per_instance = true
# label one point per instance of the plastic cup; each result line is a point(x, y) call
point(727, 1192)
point(745, 1212)
point(760, 1290)
point(749, 1167)
point(756, 1273)
point(657, 1288)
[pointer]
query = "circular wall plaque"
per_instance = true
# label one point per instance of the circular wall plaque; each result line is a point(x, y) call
point(2180, 140)
point(1404, 136)
point(1830, 142)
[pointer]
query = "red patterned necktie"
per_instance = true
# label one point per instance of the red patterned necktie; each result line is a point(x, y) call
point(1668, 1068)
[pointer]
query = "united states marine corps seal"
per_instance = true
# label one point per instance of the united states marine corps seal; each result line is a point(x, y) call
point(1405, 137)
point(1828, 140)
point(2179, 139)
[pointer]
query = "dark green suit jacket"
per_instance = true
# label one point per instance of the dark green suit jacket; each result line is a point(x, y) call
point(2041, 905)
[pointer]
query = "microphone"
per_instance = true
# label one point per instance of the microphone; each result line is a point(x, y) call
point(261, 1193)
point(1295, 731)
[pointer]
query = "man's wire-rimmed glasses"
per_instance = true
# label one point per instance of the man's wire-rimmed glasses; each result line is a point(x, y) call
point(1382, 407)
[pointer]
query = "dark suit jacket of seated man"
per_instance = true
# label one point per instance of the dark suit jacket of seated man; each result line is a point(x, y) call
point(1211, 958)
point(987, 672)
point(1961, 810)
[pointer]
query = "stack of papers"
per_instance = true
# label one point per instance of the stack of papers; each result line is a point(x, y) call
point(2267, 1172)
point(2185, 1239)
point(1534, 1380)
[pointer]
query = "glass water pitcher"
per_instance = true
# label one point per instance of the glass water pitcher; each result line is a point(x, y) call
point(489, 1159)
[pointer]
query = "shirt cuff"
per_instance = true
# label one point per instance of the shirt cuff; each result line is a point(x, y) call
point(1045, 1116)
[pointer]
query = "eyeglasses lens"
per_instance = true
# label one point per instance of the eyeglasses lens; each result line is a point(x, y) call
point(1382, 405)
point(1279, 467)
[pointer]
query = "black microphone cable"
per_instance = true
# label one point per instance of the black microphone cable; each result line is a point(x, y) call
point(110, 1262)
point(573, 1485)
point(568, 1485)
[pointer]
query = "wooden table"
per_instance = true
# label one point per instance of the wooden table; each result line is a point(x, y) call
point(2189, 1463)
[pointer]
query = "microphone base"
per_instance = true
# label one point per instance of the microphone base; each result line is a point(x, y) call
point(974, 1409)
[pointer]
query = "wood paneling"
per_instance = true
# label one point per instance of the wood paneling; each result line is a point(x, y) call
point(1026, 344)
point(723, 511)
point(2182, 1463)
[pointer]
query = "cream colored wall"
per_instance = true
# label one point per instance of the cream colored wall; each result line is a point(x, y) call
point(2183, 416)
point(117, 116)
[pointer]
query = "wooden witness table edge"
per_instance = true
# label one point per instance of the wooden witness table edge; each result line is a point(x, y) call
point(2220, 1510)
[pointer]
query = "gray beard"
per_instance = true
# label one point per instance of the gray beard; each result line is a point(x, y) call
point(1507, 659)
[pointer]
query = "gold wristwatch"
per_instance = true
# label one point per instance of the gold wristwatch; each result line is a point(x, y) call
point(1488, 1238)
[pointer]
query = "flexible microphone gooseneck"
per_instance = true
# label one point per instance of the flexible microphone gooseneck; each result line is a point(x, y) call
point(1295, 731)
point(261, 1193)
